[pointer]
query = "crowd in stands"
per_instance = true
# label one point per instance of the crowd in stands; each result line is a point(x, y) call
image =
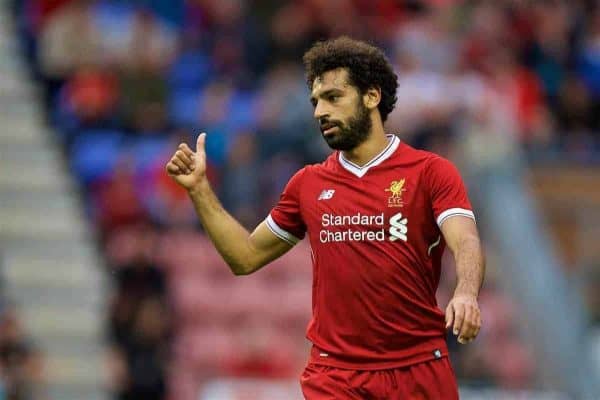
point(21, 363)
point(125, 81)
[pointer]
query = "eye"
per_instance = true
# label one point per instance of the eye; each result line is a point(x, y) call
point(333, 97)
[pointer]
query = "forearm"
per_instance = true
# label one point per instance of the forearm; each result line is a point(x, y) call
point(229, 237)
point(470, 266)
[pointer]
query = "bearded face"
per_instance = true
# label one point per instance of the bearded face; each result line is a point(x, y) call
point(347, 135)
point(344, 120)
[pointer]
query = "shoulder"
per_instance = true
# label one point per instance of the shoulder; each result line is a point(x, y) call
point(418, 157)
point(310, 171)
point(440, 172)
point(438, 165)
point(431, 166)
point(327, 165)
point(297, 178)
point(431, 162)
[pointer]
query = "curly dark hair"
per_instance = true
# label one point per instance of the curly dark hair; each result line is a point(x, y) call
point(367, 67)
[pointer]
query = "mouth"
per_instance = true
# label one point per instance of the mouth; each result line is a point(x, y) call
point(328, 129)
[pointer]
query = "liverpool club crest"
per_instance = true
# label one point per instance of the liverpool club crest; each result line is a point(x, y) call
point(396, 189)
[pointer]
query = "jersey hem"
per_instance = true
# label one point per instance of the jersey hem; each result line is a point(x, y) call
point(436, 349)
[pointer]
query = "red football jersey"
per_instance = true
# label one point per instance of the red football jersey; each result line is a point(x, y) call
point(376, 249)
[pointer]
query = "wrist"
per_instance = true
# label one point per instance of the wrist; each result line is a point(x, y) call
point(465, 293)
point(199, 189)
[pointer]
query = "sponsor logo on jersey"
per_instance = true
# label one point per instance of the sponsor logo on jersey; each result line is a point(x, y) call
point(396, 189)
point(398, 228)
point(326, 194)
point(362, 228)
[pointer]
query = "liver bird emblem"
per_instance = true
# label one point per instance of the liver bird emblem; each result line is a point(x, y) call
point(396, 188)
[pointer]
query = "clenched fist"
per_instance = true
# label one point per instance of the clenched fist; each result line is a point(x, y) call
point(186, 167)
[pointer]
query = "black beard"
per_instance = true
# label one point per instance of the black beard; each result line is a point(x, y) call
point(355, 132)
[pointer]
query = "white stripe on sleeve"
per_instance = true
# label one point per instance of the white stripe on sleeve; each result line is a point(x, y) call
point(280, 233)
point(452, 212)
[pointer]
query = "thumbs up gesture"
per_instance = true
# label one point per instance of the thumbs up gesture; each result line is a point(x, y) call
point(186, 167)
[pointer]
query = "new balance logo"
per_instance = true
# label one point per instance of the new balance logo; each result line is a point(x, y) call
point(326, 194)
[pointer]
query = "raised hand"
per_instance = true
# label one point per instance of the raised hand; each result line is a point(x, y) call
point(186, 167)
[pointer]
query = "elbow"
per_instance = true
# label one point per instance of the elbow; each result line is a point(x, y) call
point(245, 262)
point(242, 269)
point(240, 272)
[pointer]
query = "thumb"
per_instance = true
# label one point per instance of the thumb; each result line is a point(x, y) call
point(200, 143)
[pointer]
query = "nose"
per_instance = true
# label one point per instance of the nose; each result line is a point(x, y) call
point(320, 111)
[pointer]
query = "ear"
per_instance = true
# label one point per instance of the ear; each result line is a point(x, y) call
point(372, 97)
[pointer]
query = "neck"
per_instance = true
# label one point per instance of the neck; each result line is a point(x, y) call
point(367, 150)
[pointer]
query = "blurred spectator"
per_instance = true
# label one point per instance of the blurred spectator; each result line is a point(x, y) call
point(242, 192)
point(139, 320)
point(20, 362)
point(427, 37)
point(542, 132)
point(574, 106)
point(592, 293)
point(117, 204)
point(589, 63)
point(87, 100)
point(143, 359)
point(293, 28)
point(148, 44)
point(70, 39)
point(143, 104)
point(549, 48)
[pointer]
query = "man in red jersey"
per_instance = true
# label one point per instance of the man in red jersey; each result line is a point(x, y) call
point(378, 214)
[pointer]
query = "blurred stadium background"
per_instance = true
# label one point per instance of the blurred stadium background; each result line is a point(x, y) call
point(109, 289)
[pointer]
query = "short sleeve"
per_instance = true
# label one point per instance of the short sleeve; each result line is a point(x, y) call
point(447, 191)
point(285, 220)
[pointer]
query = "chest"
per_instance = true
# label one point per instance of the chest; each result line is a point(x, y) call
point(372, 200)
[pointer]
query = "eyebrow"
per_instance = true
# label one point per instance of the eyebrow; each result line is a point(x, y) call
point(313, 99)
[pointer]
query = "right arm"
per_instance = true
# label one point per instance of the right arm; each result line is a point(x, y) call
point(244, 252)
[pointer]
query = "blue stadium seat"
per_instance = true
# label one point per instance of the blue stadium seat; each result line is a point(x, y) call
point(191, 70)
point(95, 153)
point(184, 105)
point(147, 150)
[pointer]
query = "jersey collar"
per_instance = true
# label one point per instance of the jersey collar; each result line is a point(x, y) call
point(393, 144)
